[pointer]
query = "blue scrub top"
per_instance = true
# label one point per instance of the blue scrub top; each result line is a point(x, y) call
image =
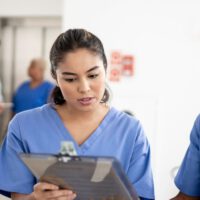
point(188, 176)
point(41, 130)
point(26, 98)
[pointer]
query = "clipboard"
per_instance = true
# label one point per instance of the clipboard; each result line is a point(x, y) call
point(90, 177)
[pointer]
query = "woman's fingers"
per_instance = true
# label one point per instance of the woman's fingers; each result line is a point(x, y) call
point(71, 197)
point(57, 194)
point(52, 192)
point(45, 186)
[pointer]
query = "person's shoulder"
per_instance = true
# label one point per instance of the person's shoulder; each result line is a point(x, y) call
point(34, 113)
point(26, 122)
point(196, 129)
point(24, 84)
point(128, 125)
point(196, 125)
point(49, 83)
point(125, 117)
point(197, 121)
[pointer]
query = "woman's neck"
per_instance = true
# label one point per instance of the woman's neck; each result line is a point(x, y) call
point(67, 113)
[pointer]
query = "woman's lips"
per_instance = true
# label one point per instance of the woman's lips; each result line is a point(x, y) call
point(86, 100)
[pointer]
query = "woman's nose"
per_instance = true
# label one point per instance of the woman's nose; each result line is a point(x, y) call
point(84, 86)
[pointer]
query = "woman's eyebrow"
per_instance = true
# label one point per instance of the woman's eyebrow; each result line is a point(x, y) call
point(69, 73)
point(74, 74)
point(93, 68)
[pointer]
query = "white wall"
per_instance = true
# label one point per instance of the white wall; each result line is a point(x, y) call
point(164, 36)
point(30, 8)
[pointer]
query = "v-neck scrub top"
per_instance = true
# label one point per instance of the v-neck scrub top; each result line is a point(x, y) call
point(41, 130)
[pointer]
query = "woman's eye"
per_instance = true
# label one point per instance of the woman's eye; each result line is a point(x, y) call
point(92, 76)
point(70, 80)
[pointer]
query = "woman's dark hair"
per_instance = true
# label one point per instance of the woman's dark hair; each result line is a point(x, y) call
point(70, 41)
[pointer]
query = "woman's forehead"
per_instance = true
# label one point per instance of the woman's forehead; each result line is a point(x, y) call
point(81, 53)
point(81, 59)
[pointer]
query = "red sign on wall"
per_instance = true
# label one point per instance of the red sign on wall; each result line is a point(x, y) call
point(115, 66)
point(121, 65)
point(127, 65)
point(116, 58)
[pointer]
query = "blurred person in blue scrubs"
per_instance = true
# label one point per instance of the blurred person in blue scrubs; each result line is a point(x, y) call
point(187, 179)
point(34, 92)
point(80, 113)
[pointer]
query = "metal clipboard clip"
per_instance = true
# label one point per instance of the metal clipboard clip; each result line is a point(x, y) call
point(67, 151)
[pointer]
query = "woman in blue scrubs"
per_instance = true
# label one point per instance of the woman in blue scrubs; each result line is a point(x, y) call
point(80, 113)
point(188, 176)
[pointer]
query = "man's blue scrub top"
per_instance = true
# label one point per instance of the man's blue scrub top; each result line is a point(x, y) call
point(188, 176)
point(41, 130)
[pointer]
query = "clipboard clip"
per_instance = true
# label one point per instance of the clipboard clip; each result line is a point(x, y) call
point(67, 152)
point(63, 157)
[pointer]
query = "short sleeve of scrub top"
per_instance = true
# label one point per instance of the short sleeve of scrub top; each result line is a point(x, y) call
point(10, 181)
point(140, 161)
point(188, 176)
